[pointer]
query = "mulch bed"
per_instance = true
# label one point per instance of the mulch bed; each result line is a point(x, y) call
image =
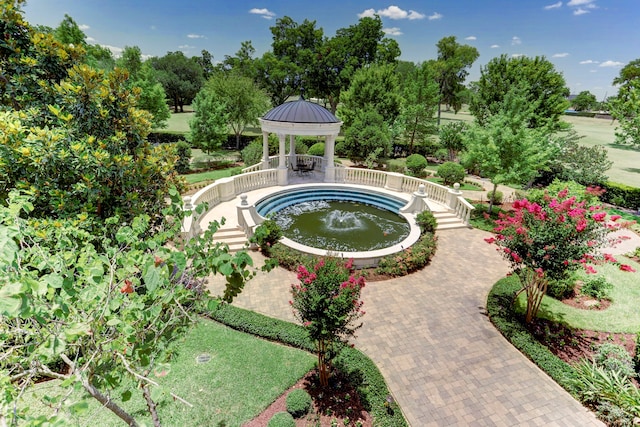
point(336, 405)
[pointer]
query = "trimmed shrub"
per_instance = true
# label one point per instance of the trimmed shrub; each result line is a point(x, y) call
point(597, 288)
point(282, 419)
point(497, 197)
point(316, 149)
point(183, 151)
point(409, 260)
point(451, 173)
point(615, 358)
point(252, 153)
point(301, 147)
point(416, 164)
point(266, 235)
point(341, 149)
point(621, 195)
point(298, 403)
point(560, 288)
point(427, 222)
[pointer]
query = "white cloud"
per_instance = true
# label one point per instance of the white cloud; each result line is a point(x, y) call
point(611, 64)
point(265, 13)
point(196, 36)
point(471, 38)
point(394, 31)
point(560, 55)
point(589, 61)
point(515, 41)
point(517, 55)
point(553, 6)
point(593, 71)
point(392, 12)
point(84, 27)
point(580, 11)
point(90, 39)
point(435, 16)
point(580, 2)
point(185, 47)
point(495, 46)
point(115, 51)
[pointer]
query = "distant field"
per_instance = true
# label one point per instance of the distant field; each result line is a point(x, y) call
point(626, 161)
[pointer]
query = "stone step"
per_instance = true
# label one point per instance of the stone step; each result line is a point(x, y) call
point(448, 221)
point(234, 237)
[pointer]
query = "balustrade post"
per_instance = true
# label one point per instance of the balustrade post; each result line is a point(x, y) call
point(394, 181)
point(453, 196)
point(227, 188)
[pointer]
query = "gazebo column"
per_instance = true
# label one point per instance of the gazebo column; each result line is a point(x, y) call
point(292, 150)
point(265, 150)
point(329, 168)
point(282, 162)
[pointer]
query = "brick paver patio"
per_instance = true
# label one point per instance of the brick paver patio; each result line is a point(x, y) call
point(444, 362)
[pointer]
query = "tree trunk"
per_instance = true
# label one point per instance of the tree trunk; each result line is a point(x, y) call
point(439, 112)
point(323, 365)
point(107, 402)
point(237, 141)
point(492, 198)
point(535, 287)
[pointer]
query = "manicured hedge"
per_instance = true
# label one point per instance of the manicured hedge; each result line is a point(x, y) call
point(621, 195)
point(361, 371)
point(500, 308)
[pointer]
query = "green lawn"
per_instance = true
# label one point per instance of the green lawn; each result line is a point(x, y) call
point(212, 175)
point(621, 316)
point(243, 376)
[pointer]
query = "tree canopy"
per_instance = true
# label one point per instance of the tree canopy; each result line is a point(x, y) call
point(546, 89)
point(584, 101)
point(626, 106)
point(180, 76)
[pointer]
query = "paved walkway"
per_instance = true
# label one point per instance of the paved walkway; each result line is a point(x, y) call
point(444, 362)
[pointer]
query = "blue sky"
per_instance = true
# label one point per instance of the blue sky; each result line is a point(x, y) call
point(587, 40)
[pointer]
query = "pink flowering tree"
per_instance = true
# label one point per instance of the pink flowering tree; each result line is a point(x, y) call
point(547, 240)
point(327, 303)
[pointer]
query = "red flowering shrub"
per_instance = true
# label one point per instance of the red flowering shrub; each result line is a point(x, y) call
point(327, 303)
point(544, 241)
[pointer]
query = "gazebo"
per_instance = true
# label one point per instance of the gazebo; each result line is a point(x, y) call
point(299, 117)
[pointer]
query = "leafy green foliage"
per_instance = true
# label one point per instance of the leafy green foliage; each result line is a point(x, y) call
point(585, 100)
point(252, 153)
point(181, 77)
point(409, 260)
point(451, 172)
point(621, 195)
point(209, 123)
point(316, 149)
point(298, 403)
point(427, 222)
point(614, 357)
point(545, 90)
point(597, 288)
point(368, 137)
point(327, 304)
point(282, 419)
point(451, 138)
point(266, 235)
point(183, 151)
point(625, 109)
point(416, 163)
point(420, 94)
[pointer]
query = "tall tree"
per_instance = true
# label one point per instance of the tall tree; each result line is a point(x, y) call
point(205, 60)
point(584, 101)
point(420, 94)
point(131, 59)
point(625, 107)
point(69, 32)
point(546, 89)
point(451, 70)
point(504, 148)
point(209, 122)
point(152, 97)
point(243, 62)
point(180, 76)
point(244, 100)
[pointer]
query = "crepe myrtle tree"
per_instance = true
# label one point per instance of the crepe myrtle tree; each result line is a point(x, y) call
point(545, 241)
point(327, 303)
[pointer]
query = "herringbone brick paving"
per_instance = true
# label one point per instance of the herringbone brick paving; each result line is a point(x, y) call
point(444, 362)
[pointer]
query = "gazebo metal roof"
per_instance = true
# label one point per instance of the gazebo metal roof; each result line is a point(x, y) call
point(300, 111)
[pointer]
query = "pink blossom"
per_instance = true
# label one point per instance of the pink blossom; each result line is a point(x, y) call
point(609, 258)
point(625, 267)
point(590, 269)
point(563, 193)
point(489, 240)
point(615, 217)
point(521, 230)
point(599, 216)
point(581, 225)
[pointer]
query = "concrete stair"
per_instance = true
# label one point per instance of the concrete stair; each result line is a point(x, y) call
point(232, 236)
point(448, 221)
